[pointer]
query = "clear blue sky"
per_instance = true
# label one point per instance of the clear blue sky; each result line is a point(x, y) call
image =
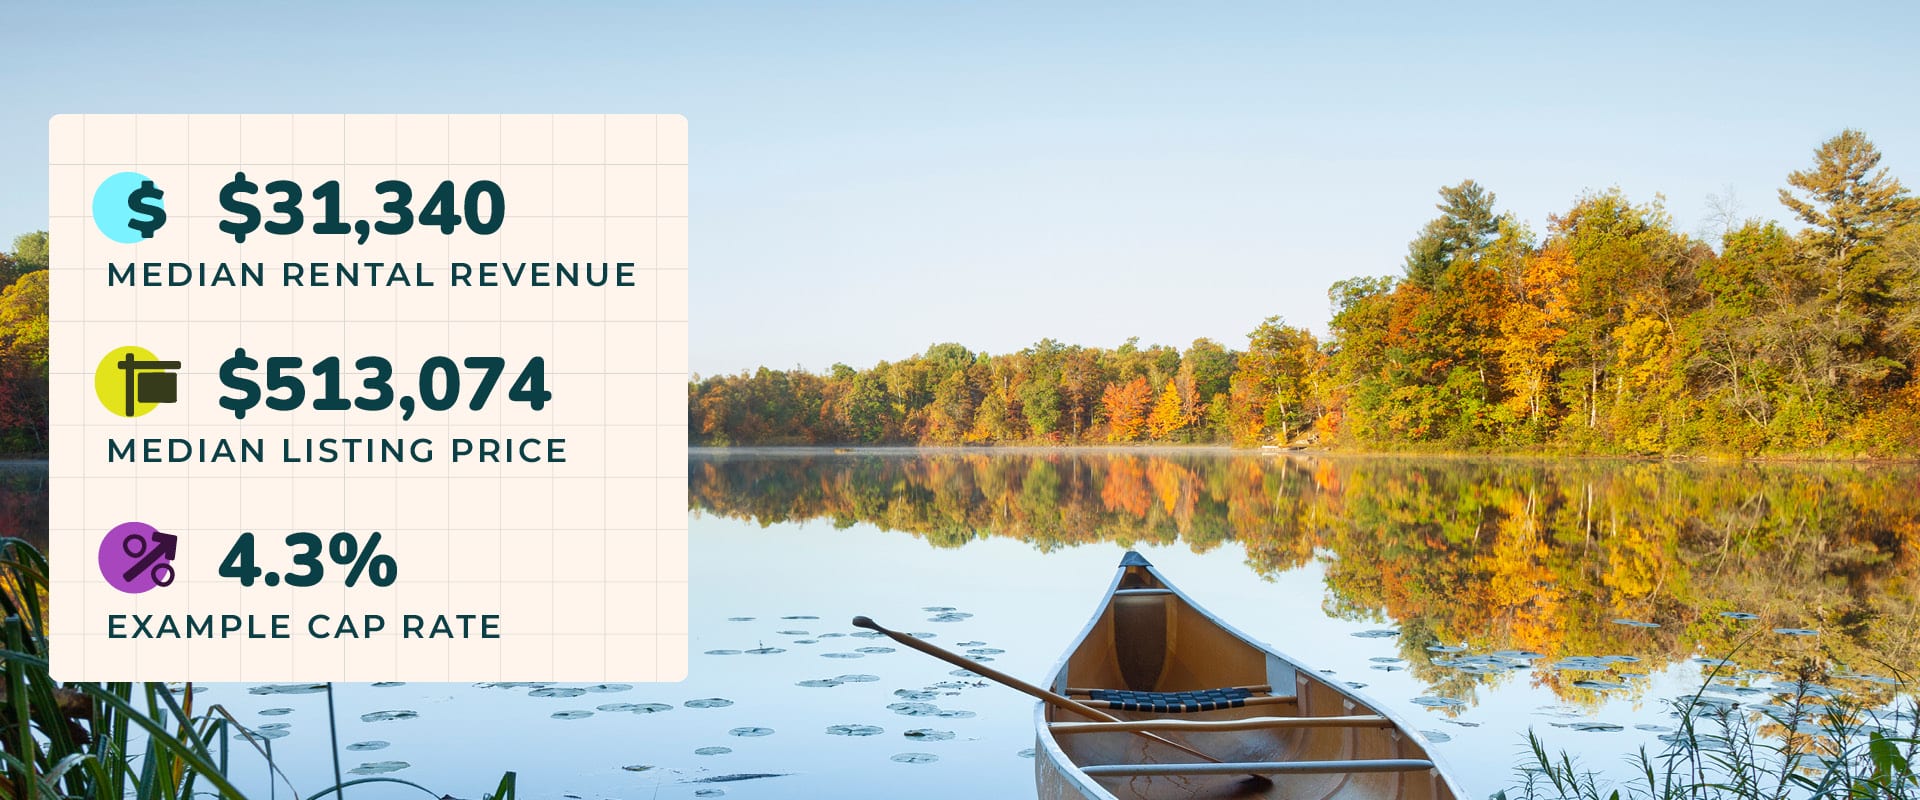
point(871, 178)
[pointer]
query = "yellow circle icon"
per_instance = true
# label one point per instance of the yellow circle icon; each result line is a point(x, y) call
point(132, 381)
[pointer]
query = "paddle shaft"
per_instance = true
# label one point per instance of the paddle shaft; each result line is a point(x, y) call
point(1018, 685)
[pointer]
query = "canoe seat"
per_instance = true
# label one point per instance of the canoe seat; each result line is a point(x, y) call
point(1172, 702)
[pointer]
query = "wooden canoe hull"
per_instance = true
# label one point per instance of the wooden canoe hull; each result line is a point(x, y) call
point(1147, 636)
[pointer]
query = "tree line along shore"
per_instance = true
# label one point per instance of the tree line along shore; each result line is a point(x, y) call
point(1611, 332)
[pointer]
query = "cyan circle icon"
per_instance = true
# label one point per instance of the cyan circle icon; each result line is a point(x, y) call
point(127, 207)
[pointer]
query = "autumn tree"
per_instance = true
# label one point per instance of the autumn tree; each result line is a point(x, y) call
point(1041, 399)
point(1531, 327)
point(29, 254)
point(1273, 382)
point(23, 363)
point(1125, 405)
point(1169, 415)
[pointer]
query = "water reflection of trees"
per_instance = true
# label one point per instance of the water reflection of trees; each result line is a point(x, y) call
point(1495, 554)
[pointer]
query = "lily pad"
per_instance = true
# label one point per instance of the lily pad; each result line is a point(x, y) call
point(1603, 686)
point(750, 731)
point(387, 684)
point(1582, 664)
point(368, 745)
point(1386, 660)
point(843, 655)
point(572, 714)
point(608, 688)
point(1376, 634)
point(275, 712)
point(389, 716)
point(1595, 727)
point(765, 651)
point(791, 633)
point(915, 758)
point(1796, 632)
point(616, 708)
point(708, 702)
point(1740, 615)
point(1634, 623)
point(1430, 701)
point(739, 619)
point(557, 691)
point(379, 767)
point(723, 652)
point(856, 678)
point(735, 777)
point(928, 735)
point(951, 616)
point(874, 650)
point(819, 683)
point(800, 616)
point(651, 708)
point(712, 751)
point(289, 688)
point(854, 730)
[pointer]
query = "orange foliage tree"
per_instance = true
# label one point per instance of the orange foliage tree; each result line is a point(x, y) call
point(1126, 407)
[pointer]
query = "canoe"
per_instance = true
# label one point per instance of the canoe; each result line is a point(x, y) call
point(1161, 664)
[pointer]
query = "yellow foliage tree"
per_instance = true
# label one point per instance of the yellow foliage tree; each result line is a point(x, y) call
point(1169, 414)
point(1531, 326)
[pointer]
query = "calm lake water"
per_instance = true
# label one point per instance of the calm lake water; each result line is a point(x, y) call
point(1357, 566)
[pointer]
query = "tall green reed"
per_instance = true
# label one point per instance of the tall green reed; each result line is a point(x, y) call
point(101, 741)
point(1811, 743)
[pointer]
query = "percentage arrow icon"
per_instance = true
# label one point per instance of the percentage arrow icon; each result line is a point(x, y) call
point(165, 545)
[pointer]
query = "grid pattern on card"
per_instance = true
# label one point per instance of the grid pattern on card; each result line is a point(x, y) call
point(585, 562)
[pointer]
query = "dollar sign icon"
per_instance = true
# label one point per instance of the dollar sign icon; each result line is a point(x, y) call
point(230, 200)
point(229, 375)
point(146, 200)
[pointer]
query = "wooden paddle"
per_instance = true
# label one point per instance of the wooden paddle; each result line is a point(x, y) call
point(1044, 696)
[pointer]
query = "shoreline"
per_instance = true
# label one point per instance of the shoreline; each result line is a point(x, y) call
point(1324, 452)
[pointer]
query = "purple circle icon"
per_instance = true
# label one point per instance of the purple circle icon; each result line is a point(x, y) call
point(136, 557)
